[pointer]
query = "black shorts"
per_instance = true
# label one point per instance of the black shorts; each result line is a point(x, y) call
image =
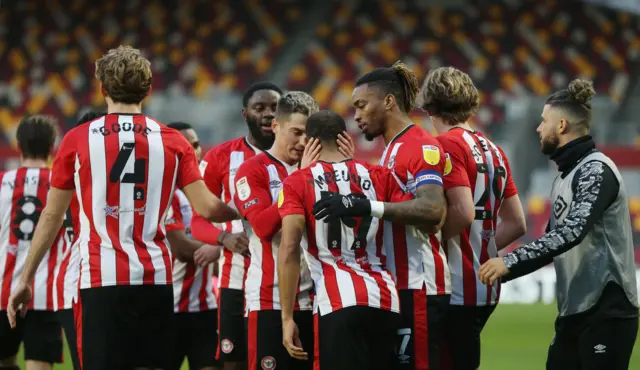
point(39, 330)
point(357, 338)
point(464, 325)
point(232, 346)
point(67, 320)
point(605, 344)
point(196, 338)
point(421, 335)
point(264, 348)
point(127, 326)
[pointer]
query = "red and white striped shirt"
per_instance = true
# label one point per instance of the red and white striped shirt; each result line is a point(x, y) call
point(258, 183)
point(125, 169)
point(68, 270)
point(192, 285)
point(23, 196)
point(347, 264)
point(219, 168)
point(417, 159)
point(475, 162)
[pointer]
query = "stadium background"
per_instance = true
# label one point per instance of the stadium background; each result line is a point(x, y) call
point(204, 53)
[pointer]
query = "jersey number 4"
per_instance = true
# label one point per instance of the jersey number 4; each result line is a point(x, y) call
point(139, 166)
point(360, 230)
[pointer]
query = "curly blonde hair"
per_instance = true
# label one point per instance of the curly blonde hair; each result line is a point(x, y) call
point(125, 74)
point(449, 93)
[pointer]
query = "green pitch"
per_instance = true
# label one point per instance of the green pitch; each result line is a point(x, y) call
point(517, 336)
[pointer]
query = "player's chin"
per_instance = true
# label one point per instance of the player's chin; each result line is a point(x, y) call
point(296, 154)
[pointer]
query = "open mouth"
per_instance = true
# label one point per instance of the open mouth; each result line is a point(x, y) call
point(266, 128)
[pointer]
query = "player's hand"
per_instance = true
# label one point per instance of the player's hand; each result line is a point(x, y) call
point(237, 243)
point(492, 270)
point(206, 254)
point(311, 152)
point(19, 301)
point(341, 206)
point(291, 340)
point(346, 146)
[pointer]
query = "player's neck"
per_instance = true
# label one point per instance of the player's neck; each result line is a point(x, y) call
point(394, 126)
point(331, 156)
point(465, 126)
point(34, 163)
point(124, 108)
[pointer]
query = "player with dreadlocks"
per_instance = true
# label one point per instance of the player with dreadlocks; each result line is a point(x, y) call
point(382, 100)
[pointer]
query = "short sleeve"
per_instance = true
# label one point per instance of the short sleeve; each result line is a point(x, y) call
point(426, 162)
point(455, 164)
point(211, 173)
point(291, 197)
point(253, 192)
point(394, 190)
point(63, 171)
point(188, 170)
point(174, 216)
point(510, 188)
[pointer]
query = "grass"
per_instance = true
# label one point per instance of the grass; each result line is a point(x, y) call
point(516, 337)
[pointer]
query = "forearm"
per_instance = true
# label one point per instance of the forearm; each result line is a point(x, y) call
point(455, 222)
point(507, 232)
point(288, 275)
point(205, 231)
point(44, 236)
point(419, 212)
point(222, 213)
point(181, 246)
point(266, 223)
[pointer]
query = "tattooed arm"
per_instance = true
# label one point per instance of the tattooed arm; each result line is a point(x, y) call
point(595, 188)
point(426, 210)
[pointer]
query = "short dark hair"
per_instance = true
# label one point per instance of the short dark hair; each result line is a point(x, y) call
point(296, 102)
point(326, 125)
point(397, 80)
point(575, 100)
point(36, 136)
point(89, 116)
point(263, 85)
point(179, 125)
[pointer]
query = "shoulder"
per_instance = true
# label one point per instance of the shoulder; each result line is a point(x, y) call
point(252, 165)
point(299, 177)
point(221, 151)
point(592, 172)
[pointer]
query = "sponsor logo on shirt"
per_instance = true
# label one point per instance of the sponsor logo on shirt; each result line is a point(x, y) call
point(250, 203)
point(431, 154)
point(559, 206)
point(115, 211)
point(243, 188)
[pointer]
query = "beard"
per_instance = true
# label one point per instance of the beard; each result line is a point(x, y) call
point(549, 145)
point(264, 140)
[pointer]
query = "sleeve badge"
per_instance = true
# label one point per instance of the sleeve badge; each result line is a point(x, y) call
point(431, 154)
point(447, 165)
point(243, 189)
point(280, 198)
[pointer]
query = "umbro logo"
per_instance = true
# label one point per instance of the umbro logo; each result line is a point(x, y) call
point(600, 348)
point(559, 206)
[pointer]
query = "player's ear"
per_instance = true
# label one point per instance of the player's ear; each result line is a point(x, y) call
point(563, 126)
point(389, 101)
point(244, 113)
point(275, 126)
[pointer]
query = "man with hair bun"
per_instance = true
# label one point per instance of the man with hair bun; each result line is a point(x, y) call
point(382, 100)
point(588, 238)
point(479, 188)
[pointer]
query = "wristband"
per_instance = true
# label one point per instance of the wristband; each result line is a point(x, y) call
point(377, 209)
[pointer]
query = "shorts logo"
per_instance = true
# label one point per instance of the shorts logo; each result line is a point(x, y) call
point(226, 346)
point(447, 165)
point(243, 189)
point(431, 154)
point(268, 363)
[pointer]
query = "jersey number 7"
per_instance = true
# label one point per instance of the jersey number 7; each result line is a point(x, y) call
point(359, 229)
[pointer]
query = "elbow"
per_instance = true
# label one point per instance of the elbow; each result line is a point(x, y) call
point(520, 228)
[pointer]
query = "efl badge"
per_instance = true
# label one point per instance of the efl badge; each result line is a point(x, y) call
point(447, 165)
point(280, 198)
point(226, 345)
point(431, 154)
point(268, 363)
point(243, 189)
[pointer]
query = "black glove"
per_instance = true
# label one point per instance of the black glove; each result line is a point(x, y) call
point(336, 206)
